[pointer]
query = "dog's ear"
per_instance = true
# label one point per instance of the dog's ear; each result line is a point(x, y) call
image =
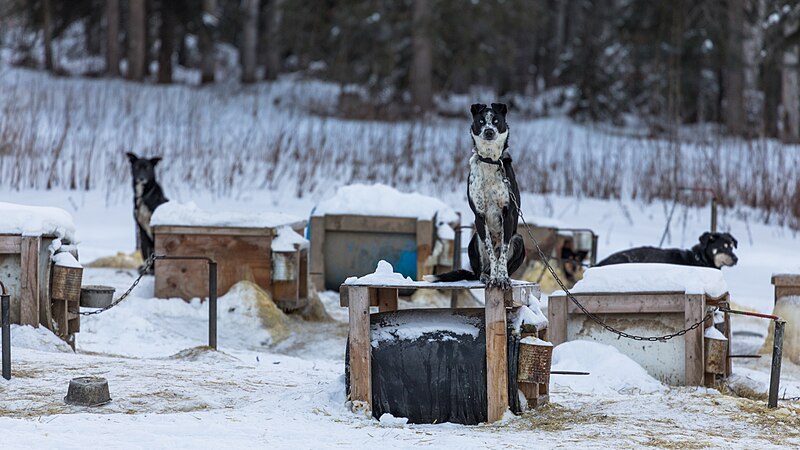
point(477, 108)
point(581, 255)
point(155, 160)
point(132, 157)
point(707, 238)
point(500, 108)
point(733, 239)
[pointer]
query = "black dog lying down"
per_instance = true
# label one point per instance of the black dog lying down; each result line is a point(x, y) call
point(714, 250)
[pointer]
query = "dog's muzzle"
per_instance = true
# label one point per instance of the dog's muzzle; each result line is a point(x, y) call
point(489, 134)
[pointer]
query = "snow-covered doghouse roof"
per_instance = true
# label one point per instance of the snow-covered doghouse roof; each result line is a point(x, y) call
point(383, 200)
point(188, 214)
point(36, 221)
point(651, 278)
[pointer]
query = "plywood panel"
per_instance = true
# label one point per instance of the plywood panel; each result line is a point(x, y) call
point(695, 311)
point(371, 224)
point(29, 280)
point(238, 258)
point(10, 243)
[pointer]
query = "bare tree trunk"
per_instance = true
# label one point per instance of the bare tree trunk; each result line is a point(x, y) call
point(112, 37)
point(270, 39)
point(137, 25)
point(166, 34)
point(422, 63)
point(734, 70)
point(250, 9)
point(47, 28)
point(790, 96)
point(752, 45)
point(209, 25)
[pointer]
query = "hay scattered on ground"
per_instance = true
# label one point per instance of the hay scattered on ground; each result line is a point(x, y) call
point(787, 309)
point(315, 311)
point(554, 417)
point(274, 320)
point(119, 261)
point(538, 273)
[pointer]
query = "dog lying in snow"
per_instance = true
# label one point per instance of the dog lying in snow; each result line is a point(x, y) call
point(714, 250)
point(496, 249)
point(147, 196)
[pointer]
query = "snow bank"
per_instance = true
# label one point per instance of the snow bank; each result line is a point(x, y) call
point(651, 278)
point(65, 259)
point(36, 221)
point(288, 240)
point(610, 371)
point(384, 274)
point(188, 214)
point(382, 200)
point(42, 339)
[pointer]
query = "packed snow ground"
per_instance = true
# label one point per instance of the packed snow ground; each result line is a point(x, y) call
point(260, 389)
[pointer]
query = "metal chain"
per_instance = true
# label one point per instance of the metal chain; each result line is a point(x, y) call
point(142, 271)
point(591, 315)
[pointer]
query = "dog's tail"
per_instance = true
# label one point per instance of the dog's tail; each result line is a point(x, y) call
point(456, 275)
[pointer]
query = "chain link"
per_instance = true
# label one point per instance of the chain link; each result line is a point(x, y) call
point(591, 315)
point(142, 271)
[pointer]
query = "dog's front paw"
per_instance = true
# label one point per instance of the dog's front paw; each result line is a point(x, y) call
point(500, 283)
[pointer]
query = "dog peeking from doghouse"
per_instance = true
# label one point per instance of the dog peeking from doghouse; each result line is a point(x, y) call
point(714, 250)
point(496, 249)
point(147, 196)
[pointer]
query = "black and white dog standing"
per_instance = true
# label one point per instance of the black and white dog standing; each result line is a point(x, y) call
point(496, 249)
point(714, 250)
point(147, 196)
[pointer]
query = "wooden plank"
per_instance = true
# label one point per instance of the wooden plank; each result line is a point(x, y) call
point(439, 285)
point(29, 280)
point(786, 279)
point(496, 355)
point(628, 303)
point(693, 340)
point(407, 225)
point(424, 232)
point(10, 243)
point(344, 295)
point(238, 258)
point(557, 316)
point(360, 364)
point(316, 263)
point(217, 231)
point(387, 299)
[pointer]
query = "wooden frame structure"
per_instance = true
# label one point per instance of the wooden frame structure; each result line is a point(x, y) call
point(786, 284)
point(241, 254)
point(41, 293)
point(625, 306)
point(360, 297)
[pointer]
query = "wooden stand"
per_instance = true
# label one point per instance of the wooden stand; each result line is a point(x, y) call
point(786, 284)
point(359, 297)
point(568, 322)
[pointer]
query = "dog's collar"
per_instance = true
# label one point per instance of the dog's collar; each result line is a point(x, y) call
point(489, 160)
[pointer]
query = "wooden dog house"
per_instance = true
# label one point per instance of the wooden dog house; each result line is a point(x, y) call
point(265, 248)
point(42, 291)
point(362, 225)
point(669, 306)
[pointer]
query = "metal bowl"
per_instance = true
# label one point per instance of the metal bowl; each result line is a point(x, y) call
point(95, 296)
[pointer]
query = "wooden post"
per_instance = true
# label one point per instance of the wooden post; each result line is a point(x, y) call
point(694, 361)
point(496, 354)
point(29, 280)
point(424, 247)
point(316, 264)
point(387, 299)
point(557, 316)
point(360, 351)
point(775, 372)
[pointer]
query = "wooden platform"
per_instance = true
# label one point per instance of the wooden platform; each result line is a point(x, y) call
point(786, 284)
point(655, 313)
point(358, 297)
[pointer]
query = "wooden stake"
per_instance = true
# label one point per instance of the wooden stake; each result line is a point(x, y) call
point(360, 364)
point(496, 354)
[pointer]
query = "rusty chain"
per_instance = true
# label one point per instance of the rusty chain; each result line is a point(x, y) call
point(591, 315)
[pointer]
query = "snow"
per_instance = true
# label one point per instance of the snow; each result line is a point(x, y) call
point(651, 278)
point(36, 221)
point(384, 274)
point(65, 259)
point(189, 214)
point(610, 371)
point(714, 333)
point(382, 200)
point(528, 315)
point(535, 341)
point(40, 339)
point(288, 240)
point(417, 324)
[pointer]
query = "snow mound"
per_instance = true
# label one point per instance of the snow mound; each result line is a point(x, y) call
point(528, 315)
point(288, 240)
point(188, 214)
point(382, 200)
point(384, 274)
point(42, 339)
point(388, 420)
point(651, 278)
point(36, 221)
point(65, 259)
point(610, 371)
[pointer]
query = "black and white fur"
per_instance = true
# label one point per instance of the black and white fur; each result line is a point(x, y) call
point(496, 249)
point(147, 196)
point(714, 250)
